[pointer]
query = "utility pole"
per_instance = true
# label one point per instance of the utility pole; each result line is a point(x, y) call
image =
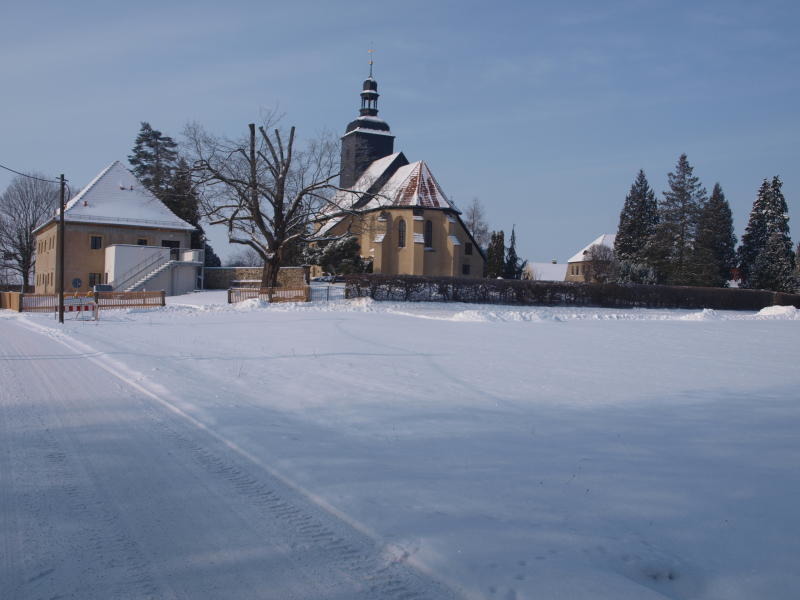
point(61, 253)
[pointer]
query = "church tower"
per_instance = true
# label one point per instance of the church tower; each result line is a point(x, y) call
point(366, 139)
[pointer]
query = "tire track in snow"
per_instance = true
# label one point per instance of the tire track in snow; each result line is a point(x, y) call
point(70, 528)
point(314, 527)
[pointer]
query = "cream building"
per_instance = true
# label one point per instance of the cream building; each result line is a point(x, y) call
point(398, 211)
point(117, 232)
point(578, 266)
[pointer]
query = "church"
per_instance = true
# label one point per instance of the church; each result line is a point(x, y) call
point(403, 221)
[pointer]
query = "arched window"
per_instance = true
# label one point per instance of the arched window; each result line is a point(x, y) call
point(428, 234)
point(401, 234)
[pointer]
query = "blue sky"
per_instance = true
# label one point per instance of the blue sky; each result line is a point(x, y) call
point(543, 110)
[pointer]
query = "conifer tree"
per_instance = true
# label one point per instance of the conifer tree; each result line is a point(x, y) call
point(637, 221)
point(180, 196)
point(715, 246)
point(161, 170)
point(153, 159)
point(495, 255)
point(768, 225)
point(773, 269)
point(513, 265)
point(671, 247)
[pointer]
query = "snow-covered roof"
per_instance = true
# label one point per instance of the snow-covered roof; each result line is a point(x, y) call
point(409, 185)
point(607, 239)
point(346, 199)
point(547, 271)
point(117, 197)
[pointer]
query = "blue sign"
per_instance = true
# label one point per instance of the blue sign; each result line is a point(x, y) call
point(76, 283)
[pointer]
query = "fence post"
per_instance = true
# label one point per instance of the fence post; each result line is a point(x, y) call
point(163, 298)
point(229, 295)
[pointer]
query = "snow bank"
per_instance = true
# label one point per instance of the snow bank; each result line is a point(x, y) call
point(780, 312)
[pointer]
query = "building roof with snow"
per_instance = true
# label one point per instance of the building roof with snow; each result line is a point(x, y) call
point(116, 197)
point(547, 271)
point(606, 239)
point(392, 182)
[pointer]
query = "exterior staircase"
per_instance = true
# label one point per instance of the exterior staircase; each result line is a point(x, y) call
point(140, 283)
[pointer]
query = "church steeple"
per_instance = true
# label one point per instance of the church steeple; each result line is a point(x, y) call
point(366, 139)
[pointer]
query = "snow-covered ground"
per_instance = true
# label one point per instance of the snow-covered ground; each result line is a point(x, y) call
point(390, 450)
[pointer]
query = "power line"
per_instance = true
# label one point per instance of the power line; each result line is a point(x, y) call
point(28, 176)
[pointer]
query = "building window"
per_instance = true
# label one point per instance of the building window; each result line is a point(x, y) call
point(93, 279)
point(465, 269)
point(468, 248)
point(141, 242)
point(428, 234)
point(96, 242)
point(401, 234)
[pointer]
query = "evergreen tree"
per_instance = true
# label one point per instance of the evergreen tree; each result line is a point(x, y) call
point(341, 256)
point(670, 251)
point(773, 268)
point(715, 246)
point(797, 268)
point(212, 260)
point(153, 159)
point(180, 196)
point(495, 255)
point(513, 265)
point(637, 221)
point(769, 219)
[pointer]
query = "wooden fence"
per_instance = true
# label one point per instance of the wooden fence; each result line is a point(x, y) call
point(105, 300)
point(275, 294)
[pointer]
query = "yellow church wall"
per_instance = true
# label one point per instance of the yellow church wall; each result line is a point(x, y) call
point(444, 258)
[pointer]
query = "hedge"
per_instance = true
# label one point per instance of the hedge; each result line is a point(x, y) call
point(552, 293)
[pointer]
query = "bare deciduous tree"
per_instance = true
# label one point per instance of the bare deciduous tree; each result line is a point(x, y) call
point(475, 220)
point(600, 263)
point(264, 189)
point(246, 257)
point(25, 204)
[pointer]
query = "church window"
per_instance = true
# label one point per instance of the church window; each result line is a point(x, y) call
point(401, 234)
point(468, 248)
point(465, 269)
point(428, 234)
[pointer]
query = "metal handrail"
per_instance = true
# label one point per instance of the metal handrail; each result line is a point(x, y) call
point(132, 274)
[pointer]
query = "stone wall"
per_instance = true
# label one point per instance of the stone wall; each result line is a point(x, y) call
point(222, 278)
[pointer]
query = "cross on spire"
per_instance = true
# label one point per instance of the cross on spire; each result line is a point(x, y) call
point(370, 51)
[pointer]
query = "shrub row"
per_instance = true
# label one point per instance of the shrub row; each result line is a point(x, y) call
point(552, 293)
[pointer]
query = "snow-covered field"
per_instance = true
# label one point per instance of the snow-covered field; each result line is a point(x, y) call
point(387, 450)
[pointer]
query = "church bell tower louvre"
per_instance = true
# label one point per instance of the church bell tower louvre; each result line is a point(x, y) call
point(366, 139)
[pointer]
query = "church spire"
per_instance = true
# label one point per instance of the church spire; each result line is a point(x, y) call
point(366, 139)
point(369, 93)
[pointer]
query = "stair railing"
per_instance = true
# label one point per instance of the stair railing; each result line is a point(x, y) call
point(135, 273)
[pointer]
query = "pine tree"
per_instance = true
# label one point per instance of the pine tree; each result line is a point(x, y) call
point(715, 246)
point(637, 221)
point(153, 159)
point(495, 259)
point(212, 260)
point(180, 196)
point(797, 268)
point(768, 225)
point(513, 265)
point(670, 251)
point(774, 268)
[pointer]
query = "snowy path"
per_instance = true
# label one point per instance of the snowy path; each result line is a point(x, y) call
point(107, 491)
